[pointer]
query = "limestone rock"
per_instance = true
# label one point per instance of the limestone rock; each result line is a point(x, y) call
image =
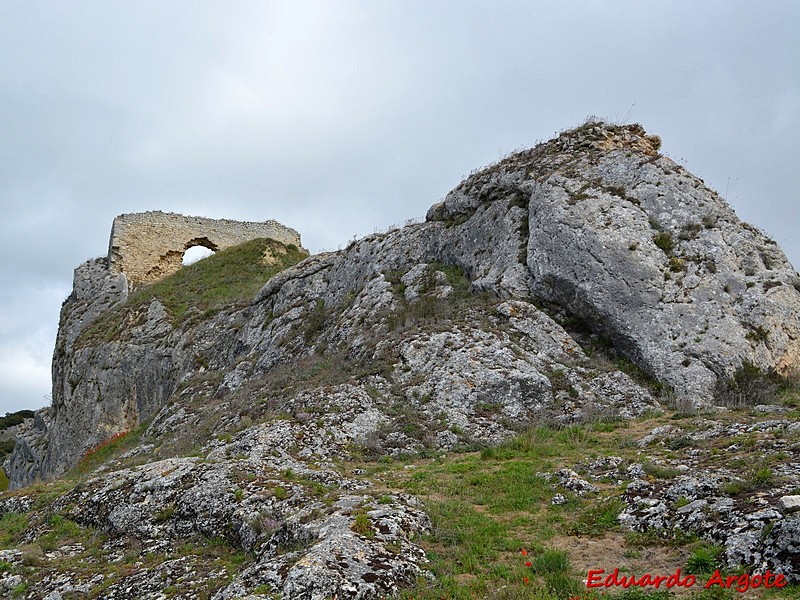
point(789, 504)
point(572, 282)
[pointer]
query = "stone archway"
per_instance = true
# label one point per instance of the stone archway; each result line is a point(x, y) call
point(149, 246)
point(196, 251)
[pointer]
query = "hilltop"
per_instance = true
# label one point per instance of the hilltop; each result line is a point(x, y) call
point(581, 347)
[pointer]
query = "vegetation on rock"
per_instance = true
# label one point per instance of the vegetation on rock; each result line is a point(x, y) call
point(229, 278)
point(486, 405)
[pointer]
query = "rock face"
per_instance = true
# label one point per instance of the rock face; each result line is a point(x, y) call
point(30, 450)
point(595, 224)
point(450, 334)
point(640, 249)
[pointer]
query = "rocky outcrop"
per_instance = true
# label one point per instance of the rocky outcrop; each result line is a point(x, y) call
point(306, 542)
point(742, 510)
point(23, 466)
point(642, 251)
point(273, 490)
point(595, 224)
point(587, 279)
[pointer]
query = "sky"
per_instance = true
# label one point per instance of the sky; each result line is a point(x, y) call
point(339, 118)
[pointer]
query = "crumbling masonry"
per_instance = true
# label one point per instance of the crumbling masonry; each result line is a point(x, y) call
point(149, 246)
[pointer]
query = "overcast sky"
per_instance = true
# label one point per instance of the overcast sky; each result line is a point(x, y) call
point(338, 118)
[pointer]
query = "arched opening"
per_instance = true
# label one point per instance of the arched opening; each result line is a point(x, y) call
point(197, 249)
point(195, 253)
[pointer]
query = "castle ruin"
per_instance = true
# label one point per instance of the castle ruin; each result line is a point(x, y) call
point(149, 246)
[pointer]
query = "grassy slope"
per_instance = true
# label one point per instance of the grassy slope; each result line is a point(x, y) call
point(230, 277)
point(488, 506)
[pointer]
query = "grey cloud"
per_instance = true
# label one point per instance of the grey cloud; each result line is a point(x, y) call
point(338, 118)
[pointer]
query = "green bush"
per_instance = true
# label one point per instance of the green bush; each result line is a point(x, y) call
point(659, 471)
point(663, 240)
point(363, 525)
point(750, 385)
point(703, 559)
point(15, 418)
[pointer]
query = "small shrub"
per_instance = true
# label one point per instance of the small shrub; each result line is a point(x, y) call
point(655, 141)
point(758, 334)
point(681, 502)
point(757, 479)
point(703, 559)
point(164, 514)
point(690, 231)
point(664, 241)
point(617, 190)
point(363, 525)
point(659, 471)
point(750, 385)
point(676, 265)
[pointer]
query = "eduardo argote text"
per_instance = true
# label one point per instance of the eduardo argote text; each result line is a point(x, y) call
point(598, 578)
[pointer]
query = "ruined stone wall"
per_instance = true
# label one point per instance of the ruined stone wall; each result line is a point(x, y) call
point(148, 246)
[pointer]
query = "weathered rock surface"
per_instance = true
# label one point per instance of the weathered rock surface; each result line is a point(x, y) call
point(24, 464)
point(273, 490)
point(447, 335)
point(739, 506)
point(628, 241)
point(596, 223)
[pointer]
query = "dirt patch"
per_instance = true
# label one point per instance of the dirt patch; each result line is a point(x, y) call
point(612, 552)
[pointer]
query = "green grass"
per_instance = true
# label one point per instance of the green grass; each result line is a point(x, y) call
point(363, 525)
point(553, 567)
point(757, 479)
point(231, 277)
point(62, 531)
point(598, 518)
point(464, 541)
point(11, 526)
point(486, 506)
point(659, 471)
point(703, 559)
